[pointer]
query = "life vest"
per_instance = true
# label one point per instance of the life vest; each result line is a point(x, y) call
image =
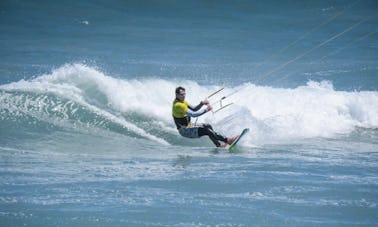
point(179, 110)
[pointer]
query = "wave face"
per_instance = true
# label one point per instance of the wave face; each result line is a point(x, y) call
point(77, 97)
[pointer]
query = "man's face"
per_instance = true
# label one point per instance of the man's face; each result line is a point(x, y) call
point(181, 95)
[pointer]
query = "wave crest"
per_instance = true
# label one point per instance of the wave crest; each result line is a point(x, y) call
point(81, 95)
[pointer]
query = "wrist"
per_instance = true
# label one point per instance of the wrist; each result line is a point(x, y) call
point(204, 102)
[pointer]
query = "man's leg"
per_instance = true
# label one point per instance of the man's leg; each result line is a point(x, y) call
point(189, 132)
point(207, 130)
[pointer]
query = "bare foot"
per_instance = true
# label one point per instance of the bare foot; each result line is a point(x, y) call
point(232, 139)
point(223, 145)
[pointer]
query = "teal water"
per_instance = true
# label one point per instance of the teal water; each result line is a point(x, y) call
point(87, 137)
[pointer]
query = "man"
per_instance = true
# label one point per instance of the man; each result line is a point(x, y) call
point(182, 112)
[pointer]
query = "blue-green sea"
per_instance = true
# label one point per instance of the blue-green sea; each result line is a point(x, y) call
point(86, 130)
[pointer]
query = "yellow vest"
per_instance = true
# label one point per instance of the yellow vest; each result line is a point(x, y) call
point(179, 108)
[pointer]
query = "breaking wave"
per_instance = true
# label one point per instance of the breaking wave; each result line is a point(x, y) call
point(79, 97)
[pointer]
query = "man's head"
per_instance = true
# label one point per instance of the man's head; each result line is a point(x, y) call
point(180, 93)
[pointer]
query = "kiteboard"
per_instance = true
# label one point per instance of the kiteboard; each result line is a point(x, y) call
point(231, 148)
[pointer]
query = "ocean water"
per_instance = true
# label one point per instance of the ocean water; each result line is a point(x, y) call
point(87, 137)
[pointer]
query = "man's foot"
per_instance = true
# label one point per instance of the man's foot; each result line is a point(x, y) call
point(232, 139)
point(223, 145)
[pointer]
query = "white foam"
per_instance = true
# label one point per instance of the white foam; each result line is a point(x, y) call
point(314, 110)
point(272, 114)
point(66, 82)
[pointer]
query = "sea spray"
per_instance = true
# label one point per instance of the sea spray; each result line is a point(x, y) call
point(80, 94)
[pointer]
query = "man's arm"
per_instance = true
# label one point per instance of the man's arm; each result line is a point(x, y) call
point(193, 113)
point(195, 108)
point(204, 102)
